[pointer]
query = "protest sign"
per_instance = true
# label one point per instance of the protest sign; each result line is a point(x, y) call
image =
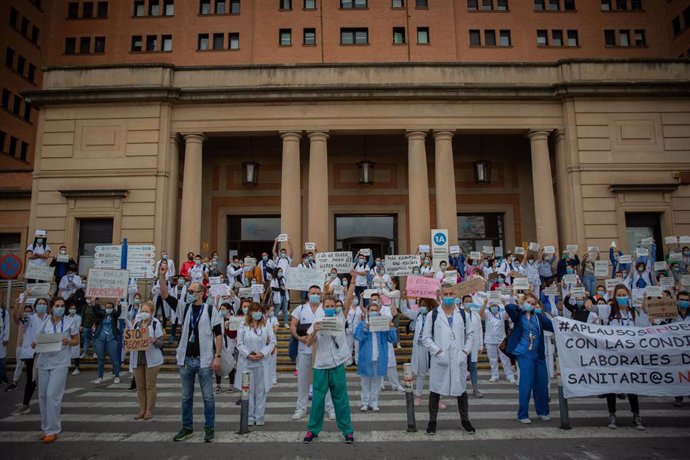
point(494, 297)
point(611, 283)
point(450, 276)
point(519, 250)
point(596, 360)
point(551, 290)
point(213, 280)
point(341, 261)
point(498, 252)
point(332, 326)
point(249, 262)
point(667, 282)
point(107, 283)
point(300, 278)
point(685, 281)
point(534, 247)
point(578, 291)
point(653, 291)
point(424, 248)
point(593, 249)
point(505, 290)
point(245, 292)
point(570, 279)
point(219, 290)
point(487, 250)
point(659, 266)
point(47, 343)
point(401, 265)
point(571, 248)
point(62, 258)
point(454, 250)
point(521, 283)
point(675, 256)
point(365, 252)
point(422, 287)
point(39, 272)
point(235, 322)
point(282, 238)
point(684, 239)
point(601, 268)
point(476, 255)
point(366, 294)
point(38, 289)
point(309, 246)
point(379, 324)
point(625, 259)
point(647, 241)
point(662, 309)
point(135, 339)
point(642, 252)
point(257, 289)
point(549, 250)
point(469, 287)
point(671, 240)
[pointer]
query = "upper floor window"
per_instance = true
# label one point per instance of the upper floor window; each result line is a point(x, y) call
point(351, 4)
point(354, 36)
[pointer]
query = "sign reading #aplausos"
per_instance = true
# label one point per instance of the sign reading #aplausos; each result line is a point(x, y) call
point(107, 283)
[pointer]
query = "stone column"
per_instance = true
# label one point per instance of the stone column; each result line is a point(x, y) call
point(446, 205)
point(565, 210)
point(542, 183)
point(173, 196)
point(317, 203)
point(190, 212)
point(418, 190)
point(291, 191)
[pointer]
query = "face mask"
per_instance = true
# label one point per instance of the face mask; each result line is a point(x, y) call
point(108, 311)
point(314, 298)
point(374, 314)
point(330, 312)
point(72, 311)
point(165, 257)
point(379, 263)
point(601, 293)
point(683, 304)
point(427, 261)
point(265, 258)
point(493, 310)
point(527, 307)
point(338, 310)
point(190, 257)
point(361, 261)
point(191, 298)
point(63, 252)
point(448, 301)
point(500, 280)
point(569, 271)
point(686, 253)
point(280, 274)
point(531, 261)
point(622, 301)
point(145, 315)
point(537, 310)
point(283, 255)
point(197, 262)
point(245, 310)
point(345, 283)
point(180, 283)
point(257, 315)
point(423, 310)
point(58, 312)
point(41, 308)
point(580, 303)
point(39, 240)
point(640, 269)
point(137, 301)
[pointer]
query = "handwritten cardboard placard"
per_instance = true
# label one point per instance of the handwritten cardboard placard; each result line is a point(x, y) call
point(38, 289)
point(401, 265)
point(282, 238)
point(659, 266)
point(570, 279)
point(213, 280)
point(625, 259)
point(593, 249)
point(488, 250)
point(422, 287)
point(494, 298)
point(685, 281)
point(653, 291)
point(107, 283)
point(667, 282)
point(39, 272)
point(365, 252)
point(257, 289)
point(341, 261)
point(331, 325)
point(300, 278)
point(379, 324)
point(219, 290)
point(661, 309)
point(551, 290)
point(671, 240)
point(469, 287)
point(675, 256)
point(245, 293)
point(135, 339)
point(601, 268)
point(571, 248)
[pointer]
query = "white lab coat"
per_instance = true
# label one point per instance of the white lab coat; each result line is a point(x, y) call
point(69, 285)
point(263, 341)
point(4, 331)
point(74, 350)
point(448, 369)
point(476, 322)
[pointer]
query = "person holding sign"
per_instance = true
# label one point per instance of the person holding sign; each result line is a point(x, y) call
point(255, 343)
point(70, 283)
point(146, 363)
point(38, 252)
point(526, 343)
point(53, 364)
point(281, 296)
point(61, 263)
point(494, 320)
point(372, 359)
point(449, 340)
point(106, 336)
point(531, 270)
point(614, 256)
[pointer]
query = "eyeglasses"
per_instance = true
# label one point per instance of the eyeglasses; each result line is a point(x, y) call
point(193, 292)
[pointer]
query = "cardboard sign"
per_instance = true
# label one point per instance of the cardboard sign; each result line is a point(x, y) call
point(570, 279)
point(245, 293)
point(519, 250)
point(424, 248)
point(661, 309)
point(647, 241)
point(235, 322)
point(498, 252)
point(249, 262)
point(653, 291)
point(450, 276)
point(422, 287)
point(48, 343)
point(594, 249)
point(612, 283)
point(135, 339)
point(577, 291)
point(401, 265)
point(521, 284)
point(659, 266)
point(685, 281)
point(475, 255)
point(534, 247)
point(39, 272)
point(671, 240)
point(331, 325)
point(625, 259)
point(454, 250)
point(341, 261)
point(379, 324)
point(601, 268)
point(309, 246)
point(282, 238)
point(642, 252)
point(368, 292)
point(571, 248)
point(551, 290)
point(549, 249)
point(684, 239)
point(488, 250)
point(107, 283)
point(300, 278)
point(469, 287)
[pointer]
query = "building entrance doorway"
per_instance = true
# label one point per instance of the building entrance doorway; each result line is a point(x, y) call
point(377, 232)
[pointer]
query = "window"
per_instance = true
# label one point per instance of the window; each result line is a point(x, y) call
point(504, 38)
point(605, 5)
point(17, 105)
point(472, 5)
point(542, 38)
point(218, 41)
point(350, 36)
point(539, 5)
point(92, 233)
point(84, 45)
point(489, 38)
point(9, 242)
point(686, 16)
point(621, 5)
point(309, 37)
point(102, 10)
point(99, 45)
point(502, 5)
point(136, 43)
point(87, 10)
point(34, 35)
point(13, 146)
point(154, 8)
point(675, 23)
point(31, 75)
point(569, 5)
point(572, 38)
point(9, 57)
point(27, 112)
point(169, 7)
point(70, 45)
point(375, 231)
point(202, 44)
point(421, 4)
point(610, 38)
point(309, 4)
point(234, 40)
point(285, 37)
point(422, 35)
point(139, 8)
point(398, 4)
point(556, 38)
point(3, 134)
point(205, 7)
point(285, 4)
point(235, 7)
point(636, 5)
point(151, 42)
point(14, 17)
point(5, 98)
point(554, 5)
point(72, 10)
point(487, 5)
point(24, 151)
point(398, 35)
point(20, 65)
point(478, 230)
point(640, 39)
point(167, 43)
point(220, 6)
point(25, 27)
point(350, 4)
point(624, 38)
point(475, 39)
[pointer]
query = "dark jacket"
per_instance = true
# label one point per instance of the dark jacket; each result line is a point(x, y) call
point(100, 315)
point(579, 314)
point(516, 313)
point(563, 265)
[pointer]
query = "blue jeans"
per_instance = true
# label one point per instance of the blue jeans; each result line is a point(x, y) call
point(87, 338)
point(187, 374)
point(472, 368)
point(107, 346)
point(534, 379)
point(121, 327)
point(590, 283)
point(283, 306)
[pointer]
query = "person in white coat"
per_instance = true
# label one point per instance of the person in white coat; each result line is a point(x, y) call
point(494, 321)
point(255, 343)
point(389, 311)
point(4, 340)
point(70, 283)
point(74, 352)
point(474, 319)
point(450, 342)
point(147, 363)
point(171, 265)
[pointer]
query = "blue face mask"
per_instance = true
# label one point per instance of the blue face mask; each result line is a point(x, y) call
point(423, 310)
point(622, 301)
point(191, 298)
point(683, 304)
point(330, 312)
point(493, 310)
point(569, 271)
point(257, 315)
point(538, 310)
point(314, 298)
point(58, 312)
point(41, 308)
point(448, 301)
point(580, 303)
point(374, 314)
point(527, 307)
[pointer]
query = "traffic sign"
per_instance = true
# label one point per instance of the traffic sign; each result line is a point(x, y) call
point(10, 266)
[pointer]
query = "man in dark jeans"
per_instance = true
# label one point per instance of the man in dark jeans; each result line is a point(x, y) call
point(88, 318)
point(198, 353)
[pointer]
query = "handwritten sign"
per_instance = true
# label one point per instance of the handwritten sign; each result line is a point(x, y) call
point(667, 282)
point(309, 246)
point(685, 281)
point(401, 265)
point(213, 280)
point(300, 278)
point(475, 255)
point(549, 249)
point(235, 322)
point(675, 256)
point(332, 326)
point(469, 287)
point(498, 251)
point(494, 298)
point(521, 284)
point(245, 292)
point(612, 283)
point(659, 266)
point(488, 250)
point(570, 279)
point(424, 248)
point(671, 240)
point(642, 252)
point(38, 289)
point(577, 291)
point(625, 259)
point(571, 248)
point(653, 291)
point(519, 250)
point(257, 289)
point(593, 249)
point(219, 290)
point(368, 293)
point(534, 247)
point(282, 238)
point(454, 250)
point(107, 283)
point(341, 261)
point(601, 268)
point(422, 287)
point(39, 272)
point(684, 239)
point(135, 339)
point(62, 258)
point(647, 241)
point(551, 290)
point(661, 309)
point(379, 324)
point(450, 276)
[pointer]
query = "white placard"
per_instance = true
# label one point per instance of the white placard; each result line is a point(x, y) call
point(476, 255)
point(675, 256)
point(235, 322)
point(301, 279)
point(521, 283)
point(38, 289)
point(659, 266)
point(642, 252)
point(684, 239)
point(667, 282)
point(48, 343)
point(341, 261)
point(213, 280)
point(450, 276)
point(647, 241)
point(593, 249)
point(257, 289)
point(331, 325)
point(401, 265)
point(495, 298)
point(671, 240)
point(519, 250)
point(309, 246)
point(250, 262)
point(219, 290)
point(586, 352)
point(368, 293)
point(107, 283)
point(578, 291)
point(685, 281)
point(379, 324)
point(365, 252)
point(625, 259)
point(62, 258)
point(245, 293)
point(571, 248)
point(653, 291)
point(282, 238)
point(549, 249)
point(570, 279)
point(454, 250)
point(534, 247)
point(601, 268)
point(39, 272)
point(424, 248)
point(498, 252)
point(487, 249)
point(611, 283)
point(551, 290)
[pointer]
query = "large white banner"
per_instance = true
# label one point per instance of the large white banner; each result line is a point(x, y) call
point(401, 265)
point(341, 261)
point(595, 360)
point(300, 278)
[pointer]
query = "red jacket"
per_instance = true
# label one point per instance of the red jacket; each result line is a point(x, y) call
point(184, 270)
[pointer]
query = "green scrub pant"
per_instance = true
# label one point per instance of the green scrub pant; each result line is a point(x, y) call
point(334, 379)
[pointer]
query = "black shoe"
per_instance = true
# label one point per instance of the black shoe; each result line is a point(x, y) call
point(431, 428)
point(184, 433)
point(209, 434)
point(309, 437)
point(11, 386)
point(132, 385)
point(467, 426)
point(349, 438)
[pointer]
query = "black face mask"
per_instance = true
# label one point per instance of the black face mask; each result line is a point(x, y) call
point(190, 258)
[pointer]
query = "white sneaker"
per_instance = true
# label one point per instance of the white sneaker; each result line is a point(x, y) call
point(275, 381)
point(116, 380)
point(298, 415)
point(375, 408)
point(98, 381)
point(82, 355)
point(493, 379)
point(95, 356)
point(75, 372)
point(364, 408)
point(526, 421)
point(512, 380)
point(545, 418)
point(331, 414)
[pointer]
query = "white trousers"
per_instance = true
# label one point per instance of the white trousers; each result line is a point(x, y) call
point(494, 354)
point(51, 387)
point(350, 343)
point(274, 359)
point(393, 377)
point(303, 373)
point(371, 388)
point(422, 369)
point(18, 368)
point(257, 392)
point(550, 358)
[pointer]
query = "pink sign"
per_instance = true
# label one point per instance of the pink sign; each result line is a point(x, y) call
point(422, 287)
